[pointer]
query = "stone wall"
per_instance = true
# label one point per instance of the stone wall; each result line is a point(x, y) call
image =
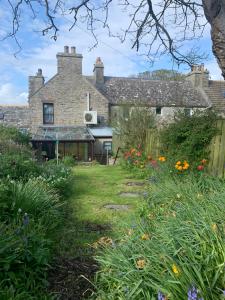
point(18, 116)
point(68, 93)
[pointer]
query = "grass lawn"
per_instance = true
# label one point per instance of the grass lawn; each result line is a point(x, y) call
point(94, 187)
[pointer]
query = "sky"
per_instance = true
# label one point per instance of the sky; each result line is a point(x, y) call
point(38, 51)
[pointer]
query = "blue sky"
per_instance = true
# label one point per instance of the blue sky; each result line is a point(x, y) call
point(40, 52)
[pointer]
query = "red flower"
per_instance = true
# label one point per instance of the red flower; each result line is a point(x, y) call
point(138, 153)
point(200, 167)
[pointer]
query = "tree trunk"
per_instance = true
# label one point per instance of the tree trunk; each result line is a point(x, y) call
point(215, 14)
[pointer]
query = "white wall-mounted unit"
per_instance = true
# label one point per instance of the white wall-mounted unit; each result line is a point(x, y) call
point(90, 117)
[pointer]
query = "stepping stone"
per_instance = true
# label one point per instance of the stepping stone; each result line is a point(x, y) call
point(135, 183)
point(130, 194)
point(117, 206)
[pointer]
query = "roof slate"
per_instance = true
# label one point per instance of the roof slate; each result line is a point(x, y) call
point(152, 92)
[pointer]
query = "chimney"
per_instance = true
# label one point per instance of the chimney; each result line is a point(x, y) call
point(199, 76)
point(69, 62)
point(36, 82)
point(98, 71)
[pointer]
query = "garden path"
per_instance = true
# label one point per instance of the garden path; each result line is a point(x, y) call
point(95, 187)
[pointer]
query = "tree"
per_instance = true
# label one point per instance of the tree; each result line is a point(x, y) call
point(162, 74)
point(157, 27)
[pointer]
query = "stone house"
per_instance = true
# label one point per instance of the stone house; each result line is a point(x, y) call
point(71, 112)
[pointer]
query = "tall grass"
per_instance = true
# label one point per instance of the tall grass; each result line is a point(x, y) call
point(177, 243)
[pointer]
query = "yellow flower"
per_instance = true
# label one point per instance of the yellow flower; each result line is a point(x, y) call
point(145, 237)
point(178, 196)
point(175, 270)
point(180, 168)
point(214, 227)
point(130, 232)
point(162, 158)
point(140, 263)
point(178, 162)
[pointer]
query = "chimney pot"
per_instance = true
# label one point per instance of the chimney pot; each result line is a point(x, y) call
point(39, 72)
point(73, 50)
point(66, 49)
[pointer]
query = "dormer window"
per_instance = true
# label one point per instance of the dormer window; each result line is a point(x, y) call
point(48, 113)
point(158, 110)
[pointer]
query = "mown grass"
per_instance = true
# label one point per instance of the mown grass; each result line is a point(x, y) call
point(94, 187)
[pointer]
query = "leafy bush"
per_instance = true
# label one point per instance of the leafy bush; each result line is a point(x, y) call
point(58, 177)
point(175, 248)
point(32, 206)
point(131, 127)
point(189, 136)
point(25, 253)
point(13, 134)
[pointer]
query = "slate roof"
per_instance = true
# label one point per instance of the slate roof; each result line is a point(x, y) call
point(63, 133)
point(154, 93)
point(101, 131)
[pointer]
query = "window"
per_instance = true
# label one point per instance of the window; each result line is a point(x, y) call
point(107, 146)
point(158, 110)
point(188, 112)
point(1, 115)
point(48, 113)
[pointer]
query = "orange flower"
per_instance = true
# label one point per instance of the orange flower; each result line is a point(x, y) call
point(204, 161)
point(133, 151)
point(162, 158)
point(140, 263)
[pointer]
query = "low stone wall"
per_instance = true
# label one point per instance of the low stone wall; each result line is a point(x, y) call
point(18, 116)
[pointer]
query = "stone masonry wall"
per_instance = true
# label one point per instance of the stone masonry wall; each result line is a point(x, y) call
point(18, 116)
point(68, 93)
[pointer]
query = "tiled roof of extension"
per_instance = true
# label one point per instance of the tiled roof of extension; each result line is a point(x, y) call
point(152, 92)
point(216, 93)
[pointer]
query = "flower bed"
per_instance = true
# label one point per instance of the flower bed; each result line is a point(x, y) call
point(176, 248)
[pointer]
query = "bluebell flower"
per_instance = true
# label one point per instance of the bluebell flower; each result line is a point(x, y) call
point(193, 294)
point(26, 219)
point(161, 296)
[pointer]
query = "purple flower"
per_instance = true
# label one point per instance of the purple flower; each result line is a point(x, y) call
point(26, 219)
point(161, 296)
point(193, 294)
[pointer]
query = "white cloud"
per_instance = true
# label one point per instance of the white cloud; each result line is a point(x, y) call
point(10, 95)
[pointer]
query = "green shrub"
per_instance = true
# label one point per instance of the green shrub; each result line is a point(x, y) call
point(177, 243)
point(68, 161)
point(13, 134)
point(189, 136)
point(25, 254)
point(58, 177)
point(33, 197)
